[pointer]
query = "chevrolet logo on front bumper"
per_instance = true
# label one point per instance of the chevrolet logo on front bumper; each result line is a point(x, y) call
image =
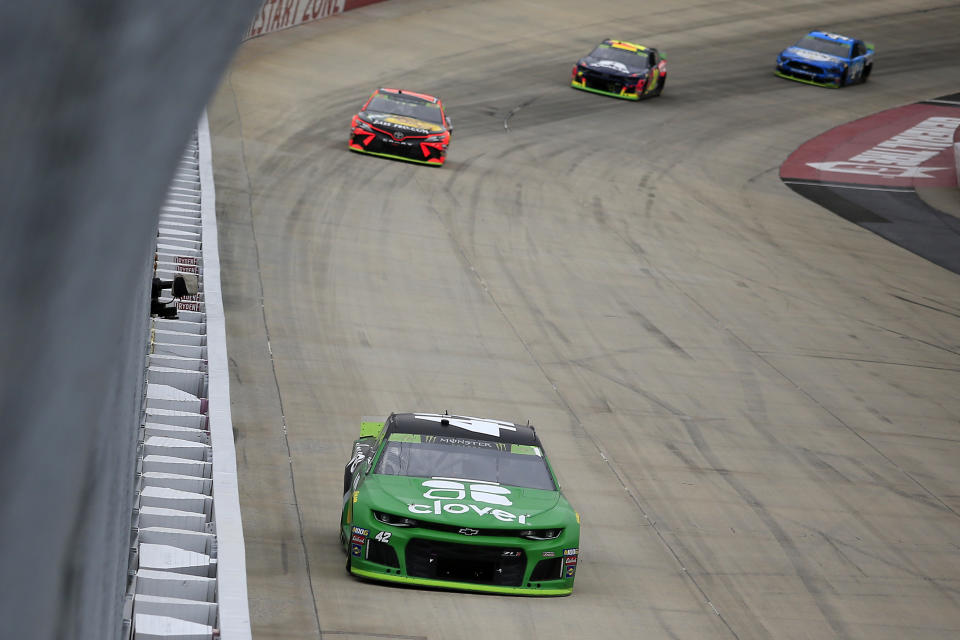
point(468, 532)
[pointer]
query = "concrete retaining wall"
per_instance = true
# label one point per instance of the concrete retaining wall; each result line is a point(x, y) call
point(188, 565)
point(99, 100)
point(275, 15)
point(188, 570)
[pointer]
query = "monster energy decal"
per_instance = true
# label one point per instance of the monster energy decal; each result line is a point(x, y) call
point(466, 442)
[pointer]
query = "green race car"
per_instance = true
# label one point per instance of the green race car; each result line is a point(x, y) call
point(455, 502)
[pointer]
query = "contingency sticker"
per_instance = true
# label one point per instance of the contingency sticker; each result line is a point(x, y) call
point(358, 537)
point(570, 562)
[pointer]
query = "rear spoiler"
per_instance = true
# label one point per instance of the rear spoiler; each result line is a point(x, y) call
point(371, 426)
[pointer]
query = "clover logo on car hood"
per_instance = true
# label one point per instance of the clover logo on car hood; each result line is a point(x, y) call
point(465, 501)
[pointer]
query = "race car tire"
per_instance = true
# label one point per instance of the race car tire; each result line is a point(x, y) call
point(347, 567)
point(866, 73)
point(347, 477)
point(845, 78)
point(663, 82)
point(343, 541)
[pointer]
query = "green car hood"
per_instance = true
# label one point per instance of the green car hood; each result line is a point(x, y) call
point(465, 503)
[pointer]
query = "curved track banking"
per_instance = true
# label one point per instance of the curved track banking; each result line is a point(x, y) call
point(752, 402)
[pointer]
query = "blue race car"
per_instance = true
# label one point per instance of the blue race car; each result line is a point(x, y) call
point(826, 60)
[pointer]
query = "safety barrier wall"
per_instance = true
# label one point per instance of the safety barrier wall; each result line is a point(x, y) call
point(187, 569)
point(98, 103)
point(275, 15)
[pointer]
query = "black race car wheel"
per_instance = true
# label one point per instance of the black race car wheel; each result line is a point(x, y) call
point(866, 72)
point(347, 477)
point(663, 82)
point(347, 567)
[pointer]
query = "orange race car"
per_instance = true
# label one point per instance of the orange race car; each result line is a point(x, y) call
point(403, 125)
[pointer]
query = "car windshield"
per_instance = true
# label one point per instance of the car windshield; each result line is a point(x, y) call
point(629, 58)
point(441, 456)
point(829, 47)
point(406, 106)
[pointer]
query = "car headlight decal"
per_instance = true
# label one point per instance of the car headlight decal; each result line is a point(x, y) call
point(541, 534)
point(394, 521)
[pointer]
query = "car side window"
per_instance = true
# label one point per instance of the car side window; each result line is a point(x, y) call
point(859, 49)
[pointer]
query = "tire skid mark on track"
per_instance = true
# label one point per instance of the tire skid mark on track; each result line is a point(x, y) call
point(273, 367)
point(568, 408)
point(928, 499)
point(926, 306)
point(510, 114)
point(903, 563)
point(814, 267)
point(811, 397)
point(366, 635)
point(613, 208)
point(814, 585)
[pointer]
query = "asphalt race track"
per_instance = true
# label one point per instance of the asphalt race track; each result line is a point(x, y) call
point(754, 403)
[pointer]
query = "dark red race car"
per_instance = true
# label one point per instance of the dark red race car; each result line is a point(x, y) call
point(401, 124)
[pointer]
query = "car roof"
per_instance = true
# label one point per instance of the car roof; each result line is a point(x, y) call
point(835, 37)
point(627, 46)
point(422, 96)
point(436, 424)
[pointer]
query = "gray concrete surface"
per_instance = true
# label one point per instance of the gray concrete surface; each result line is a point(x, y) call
point(753, 403)
point(943, 199)
point(98, 101)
